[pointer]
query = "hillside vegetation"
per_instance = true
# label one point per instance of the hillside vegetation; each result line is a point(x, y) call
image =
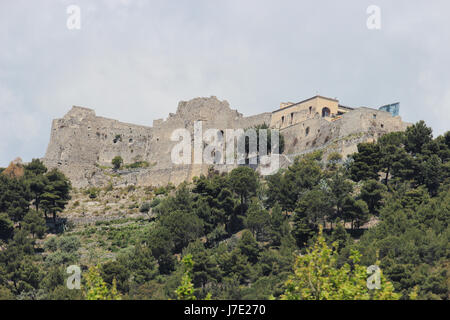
point(308, 232)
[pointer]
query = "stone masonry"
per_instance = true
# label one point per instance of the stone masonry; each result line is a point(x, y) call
point(82, 144)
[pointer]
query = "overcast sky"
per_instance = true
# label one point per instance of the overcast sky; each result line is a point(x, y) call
point(135, 60)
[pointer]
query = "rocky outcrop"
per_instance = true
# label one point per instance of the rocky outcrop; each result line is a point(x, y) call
point(15, 169)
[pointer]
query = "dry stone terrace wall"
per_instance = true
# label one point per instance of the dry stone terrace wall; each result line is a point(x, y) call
point(83, 144)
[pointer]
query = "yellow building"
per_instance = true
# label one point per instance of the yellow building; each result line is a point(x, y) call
point(315, 107)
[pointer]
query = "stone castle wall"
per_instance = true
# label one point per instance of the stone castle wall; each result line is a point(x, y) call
point(83, 144)
point(359, 125)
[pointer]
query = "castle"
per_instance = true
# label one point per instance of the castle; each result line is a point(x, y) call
point(82, 145)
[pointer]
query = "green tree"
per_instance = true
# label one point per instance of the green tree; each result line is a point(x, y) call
point(35, 168)
point(248, 246)
point(258, 220)
point(5, 293)
point(19, 265)
point(366, 162)
point(417, 136)
point(115, 271)
point(339, 189)
point(431, 173)
point(36, 179)
point(372, 193)
point(315, 205)
point(235, 266)
point(205, 270)
point(6, 227)
point(97, 289)
point(181, 201)
point(57, 193)
point(161, 244)
point(340, 236)
point(245, 183)
point(183, 227)
point(275, 188)
point(355, 211)
point(334, 159)
point(439, 146)
point(34, 223)
point(142, 265)
point(186, 289)
point(392, 152)
point(117, 162)
point(303, 229)
point(37, 187)
point(279, 226)
point(286, 188)
point(215, 203)
point(14, 198)
point(317, 276)
point(412, 241)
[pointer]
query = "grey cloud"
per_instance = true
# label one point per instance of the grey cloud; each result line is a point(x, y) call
point(134, 60)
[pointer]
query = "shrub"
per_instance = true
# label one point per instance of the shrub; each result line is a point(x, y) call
point(160, 190)
point(155, 202)
point(145, 207)
point(138, 164)
point(69, 244)
point(92, 192)
point(334, 157)
point(51, 244)
point(59, 258)
point(117, 162)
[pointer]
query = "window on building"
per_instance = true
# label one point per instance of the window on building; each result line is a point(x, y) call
point(310, 110)
point(325, 112)
point(306, 131)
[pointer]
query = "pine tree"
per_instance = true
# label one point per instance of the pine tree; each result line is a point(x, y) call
point(34, 223)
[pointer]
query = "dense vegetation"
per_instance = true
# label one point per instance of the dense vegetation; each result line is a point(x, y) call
point(307, 232)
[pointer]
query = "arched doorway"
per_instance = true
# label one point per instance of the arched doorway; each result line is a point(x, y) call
point(325, 112)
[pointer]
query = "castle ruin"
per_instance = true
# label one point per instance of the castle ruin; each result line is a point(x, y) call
point(82, 145)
